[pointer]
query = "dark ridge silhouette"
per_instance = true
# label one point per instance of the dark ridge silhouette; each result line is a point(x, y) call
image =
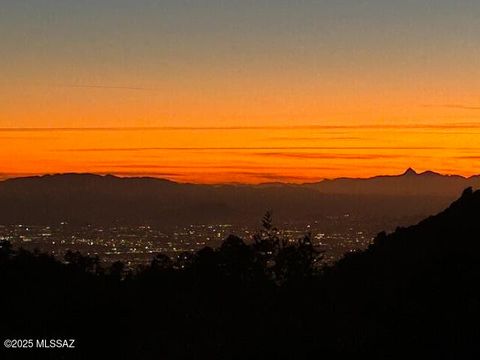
point(410, 172)
point(410, 183)
point(417, 288)
point(109, 200)
point(413, 293)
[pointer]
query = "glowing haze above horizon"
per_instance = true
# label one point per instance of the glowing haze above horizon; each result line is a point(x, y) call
point(239, 91)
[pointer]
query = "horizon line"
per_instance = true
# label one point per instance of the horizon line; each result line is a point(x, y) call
point(5, 177)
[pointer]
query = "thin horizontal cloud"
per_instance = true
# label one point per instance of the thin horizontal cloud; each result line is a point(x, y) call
point(331, 156)
point(267, 176)
point(454, 106)
point(468, 157)
point(276, 177)
point(444, 126)
point(29, 138)
point(106, 87)
point(242, 167)
point(247, 148)
point(313, 138)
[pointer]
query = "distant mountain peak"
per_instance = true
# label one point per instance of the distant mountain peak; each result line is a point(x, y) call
point(410, 172)
point(432, 173)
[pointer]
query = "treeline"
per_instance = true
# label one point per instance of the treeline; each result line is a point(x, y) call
point(267, 257)
point(211, 302)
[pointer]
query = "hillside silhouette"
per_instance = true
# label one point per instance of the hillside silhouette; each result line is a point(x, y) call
point(412, 293)
point(110, 200)
point(418, 287)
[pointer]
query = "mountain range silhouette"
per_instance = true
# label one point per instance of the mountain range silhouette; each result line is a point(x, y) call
point(95, 199)
point(411, 183)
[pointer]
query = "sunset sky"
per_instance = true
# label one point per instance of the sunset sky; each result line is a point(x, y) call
point(241, 90)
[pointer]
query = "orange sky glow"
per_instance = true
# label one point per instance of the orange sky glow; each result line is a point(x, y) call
point(245, 155)
point(239, 91)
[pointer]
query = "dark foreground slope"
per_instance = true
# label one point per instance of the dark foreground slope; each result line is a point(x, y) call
point(418, 289)
point(413, 293)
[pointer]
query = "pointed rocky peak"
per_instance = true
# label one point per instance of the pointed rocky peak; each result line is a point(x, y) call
point(410, 172)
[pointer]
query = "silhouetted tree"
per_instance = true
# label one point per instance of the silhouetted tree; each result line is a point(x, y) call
point(161, 262)
point(83, 263)
point(237, 260)
point(117, 270)
point(296, 261)
point(266, 243)
point(184, 260)
point(5, 250)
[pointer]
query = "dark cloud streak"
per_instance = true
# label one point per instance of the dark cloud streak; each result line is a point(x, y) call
point(454, 106)
point(445, 126)
point(239, 148)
